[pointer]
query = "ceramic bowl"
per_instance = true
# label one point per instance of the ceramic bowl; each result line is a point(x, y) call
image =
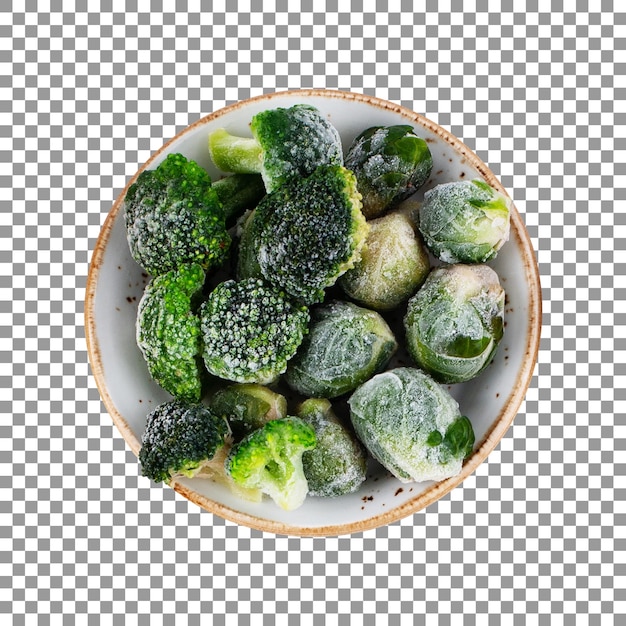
point(116, 283)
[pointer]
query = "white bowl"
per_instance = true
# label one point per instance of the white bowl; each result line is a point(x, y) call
point(115, 285)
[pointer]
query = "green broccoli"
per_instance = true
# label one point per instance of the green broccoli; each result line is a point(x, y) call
point(250, 331)
point(338, 463)
point(173, 217)
point(238, 193)
point(248, 406)
point(270, 459)
point(390, 163)
point(287, 144)
point(345, 346)
point(247, 265)
point(168, 331)
point(309, 232)
point(180, 439)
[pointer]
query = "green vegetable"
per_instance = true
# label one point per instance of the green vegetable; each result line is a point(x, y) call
point(394, 263)
point(390, 163)
point(247, 263)
point(338, 464)
point(247, 406)
point(173, 217)
point(250, 331)
point(287, 144)
point(465, 221)
point(309, 232)
point(238, 193)
point(454, 323)
point(346, 345)
point(411, 425)
point(270, 459)
point(180, 439)
point(168, 331)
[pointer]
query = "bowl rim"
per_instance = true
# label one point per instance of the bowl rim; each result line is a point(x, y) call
point(432, 493)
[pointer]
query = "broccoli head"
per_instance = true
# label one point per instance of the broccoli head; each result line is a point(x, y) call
point(180, 439)
point(173, 216)
point(287, 144)
point(309, 232)
point(250, 331)
point(338, 463)
point(270, 459)
point(168, 331)
point(390, 163)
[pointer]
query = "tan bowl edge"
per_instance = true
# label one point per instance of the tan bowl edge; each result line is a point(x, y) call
point(424, 499)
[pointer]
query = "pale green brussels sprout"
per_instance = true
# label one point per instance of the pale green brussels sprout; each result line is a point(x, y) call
point(338, 464)
point(411, 425)
point(465, 221)
point(394, 263)
point(345, 346)
point(247, 406)
point(390, 163)
point(455, 322)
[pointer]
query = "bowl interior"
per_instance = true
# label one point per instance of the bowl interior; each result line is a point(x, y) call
point(491, 401)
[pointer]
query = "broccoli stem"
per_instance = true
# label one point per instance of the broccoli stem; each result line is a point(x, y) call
point(230, 153)
point(238, 193)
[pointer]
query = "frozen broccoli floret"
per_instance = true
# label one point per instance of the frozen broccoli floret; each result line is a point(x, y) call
point(455, 322)
point(338, 463)
point(394, 263)
point(270, 459)
point(250, 331)
point(238, 193)
point(248, 406)
point(308, 233)
point(345, 346)
point(465, 221)
point(411, 425)
point(173, 217)
point(180, 439)
point(168, 331)
point(390, 163)
point(287, 144)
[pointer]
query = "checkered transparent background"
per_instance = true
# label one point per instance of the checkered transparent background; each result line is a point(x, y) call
point(89, 90)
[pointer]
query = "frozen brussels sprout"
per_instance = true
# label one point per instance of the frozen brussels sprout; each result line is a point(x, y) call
point(247, 406)
point(394, 263)
point(390, 163)
point(465, 221)
point(338, 464)
point(346, 345)
point(454, 323)
point(411, 425)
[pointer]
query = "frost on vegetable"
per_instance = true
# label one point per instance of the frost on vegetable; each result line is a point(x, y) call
point(250, 330)
point(465, 221)
point(411, 425)
point(248, 406)
point(454, 323)
point(173, 217)
point(270, 460)
point(390, 163)
point(180, 439)
point(310, 232)
point(338, 463)
point(346, 345)
point(287, 144)
point(394, 263)
point(168, 331)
